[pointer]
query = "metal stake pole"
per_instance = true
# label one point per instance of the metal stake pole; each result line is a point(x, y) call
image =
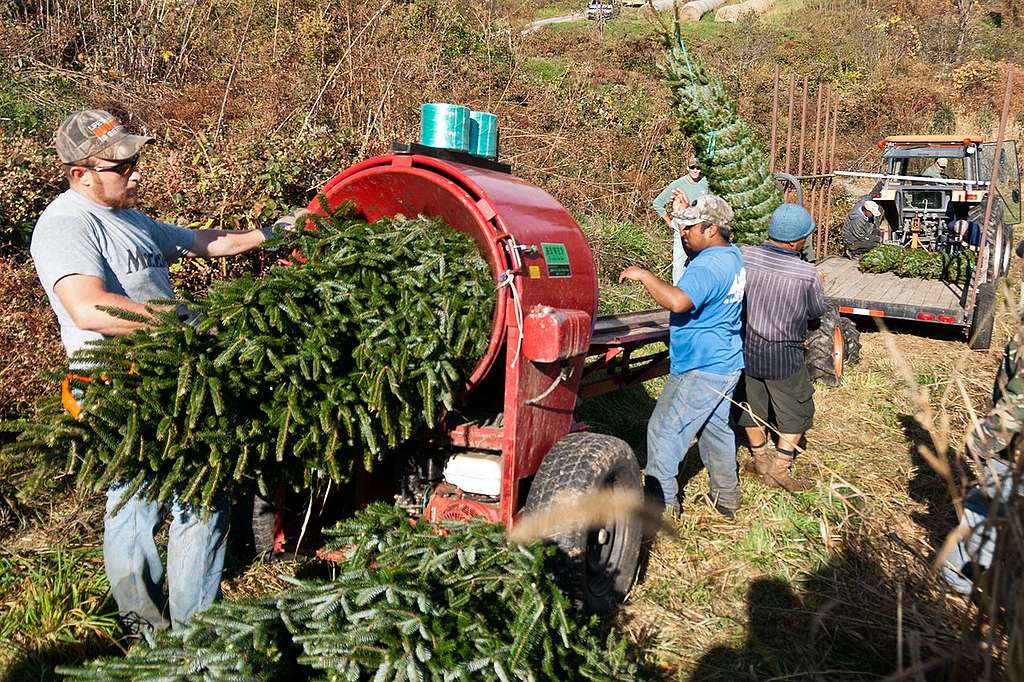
point(775, 119)
point(823, 169)
point(831, 169)
point(803, 130)
point(815, 155)
point(789, 120)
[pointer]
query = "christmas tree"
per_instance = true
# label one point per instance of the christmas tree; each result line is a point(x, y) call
point(410, 602)
point(919, 263)
point(729, 152)
point(302, 372)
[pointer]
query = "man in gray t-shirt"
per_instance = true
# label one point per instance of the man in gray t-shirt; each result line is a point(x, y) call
point(92, 249)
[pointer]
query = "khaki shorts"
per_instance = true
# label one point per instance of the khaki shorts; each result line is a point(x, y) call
point(787, 404)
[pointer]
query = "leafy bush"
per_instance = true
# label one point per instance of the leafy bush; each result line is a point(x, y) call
point(31, 176)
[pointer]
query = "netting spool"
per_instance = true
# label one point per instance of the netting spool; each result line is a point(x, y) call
point(483, 134)
point(444, 126)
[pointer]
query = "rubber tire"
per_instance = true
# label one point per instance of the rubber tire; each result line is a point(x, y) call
point(1006, 258)
point(980, 335)
point(825, 358)
point(851, 341)
point(580, 463)
point(997, 229)
point(263, 525)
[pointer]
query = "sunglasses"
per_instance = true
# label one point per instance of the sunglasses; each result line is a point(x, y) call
point(693, 167)
point(124, 169)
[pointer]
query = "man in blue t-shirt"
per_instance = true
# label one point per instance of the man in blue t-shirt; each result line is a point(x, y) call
point(706, 353)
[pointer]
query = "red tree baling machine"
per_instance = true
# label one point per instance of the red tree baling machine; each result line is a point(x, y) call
point(513, 444)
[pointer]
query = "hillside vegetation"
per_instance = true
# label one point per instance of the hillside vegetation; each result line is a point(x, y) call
point(256, 104)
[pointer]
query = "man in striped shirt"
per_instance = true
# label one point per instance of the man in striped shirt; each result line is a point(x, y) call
point(783, 294)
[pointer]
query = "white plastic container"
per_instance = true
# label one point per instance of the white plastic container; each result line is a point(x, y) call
point(475, 473)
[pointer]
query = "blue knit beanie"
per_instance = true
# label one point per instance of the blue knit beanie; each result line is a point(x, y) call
point(790, 223)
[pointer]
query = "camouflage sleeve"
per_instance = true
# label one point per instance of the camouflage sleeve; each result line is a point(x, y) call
point(1006, 418)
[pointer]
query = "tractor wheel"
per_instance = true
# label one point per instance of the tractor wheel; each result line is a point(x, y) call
point(826, 350)
point(851, 341)
point(1007, 253)
point(980, 335)
point(595, 566)
point(997, 237)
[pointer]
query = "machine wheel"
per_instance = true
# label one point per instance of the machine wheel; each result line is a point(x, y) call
point(851, 341)
point(826, 349)
point(263, 525)
point(980, 335)
point(596, 567)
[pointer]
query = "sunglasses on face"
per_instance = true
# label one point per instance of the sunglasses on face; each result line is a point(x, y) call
point(124, 169)
point(692, 167)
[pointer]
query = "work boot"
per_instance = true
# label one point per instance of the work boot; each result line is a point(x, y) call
point(761, 463)
point(780, 474)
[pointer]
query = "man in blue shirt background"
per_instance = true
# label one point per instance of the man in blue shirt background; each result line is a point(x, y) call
point(706, 353)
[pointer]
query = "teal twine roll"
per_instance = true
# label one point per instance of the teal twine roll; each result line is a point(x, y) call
point(444, 126)
point(483, 134)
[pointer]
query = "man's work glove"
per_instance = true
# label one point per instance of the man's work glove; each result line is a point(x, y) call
point(287, 223)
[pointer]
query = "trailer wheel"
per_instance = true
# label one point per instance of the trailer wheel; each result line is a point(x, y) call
point(826, 349)
point(851, 341)
point(980, 335)
point(596, 566)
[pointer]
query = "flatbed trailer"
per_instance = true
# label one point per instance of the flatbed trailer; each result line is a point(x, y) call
point(888, 296)
point(614, 345)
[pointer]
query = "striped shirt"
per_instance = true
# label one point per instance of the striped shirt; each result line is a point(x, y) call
point(783, 294)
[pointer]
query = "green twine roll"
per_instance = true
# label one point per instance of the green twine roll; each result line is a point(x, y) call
point(444, 126)
point(483, 134)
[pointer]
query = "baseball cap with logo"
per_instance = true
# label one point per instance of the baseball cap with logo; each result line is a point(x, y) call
point(94, 132)
point(707, 209)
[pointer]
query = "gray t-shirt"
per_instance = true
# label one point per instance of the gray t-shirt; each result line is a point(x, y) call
point(128, 250)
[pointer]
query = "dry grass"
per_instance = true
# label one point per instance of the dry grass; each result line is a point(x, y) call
point(837, 583)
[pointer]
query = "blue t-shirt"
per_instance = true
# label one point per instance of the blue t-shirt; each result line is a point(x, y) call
point(707, 337)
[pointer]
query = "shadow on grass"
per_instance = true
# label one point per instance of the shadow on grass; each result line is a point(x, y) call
point(841, 623)
point(928, 487)
point(623, 413)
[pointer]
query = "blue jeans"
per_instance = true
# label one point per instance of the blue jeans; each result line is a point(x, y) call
point(691, 403)
point(195, 558)
point(679, 257)
point(984, 513)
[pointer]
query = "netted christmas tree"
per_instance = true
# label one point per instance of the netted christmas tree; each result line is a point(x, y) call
point(302, 372)
point(728, 150)
point(919, 263)
point(410, 602)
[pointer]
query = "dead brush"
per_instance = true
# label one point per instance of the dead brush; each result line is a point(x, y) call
point(987, 643)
